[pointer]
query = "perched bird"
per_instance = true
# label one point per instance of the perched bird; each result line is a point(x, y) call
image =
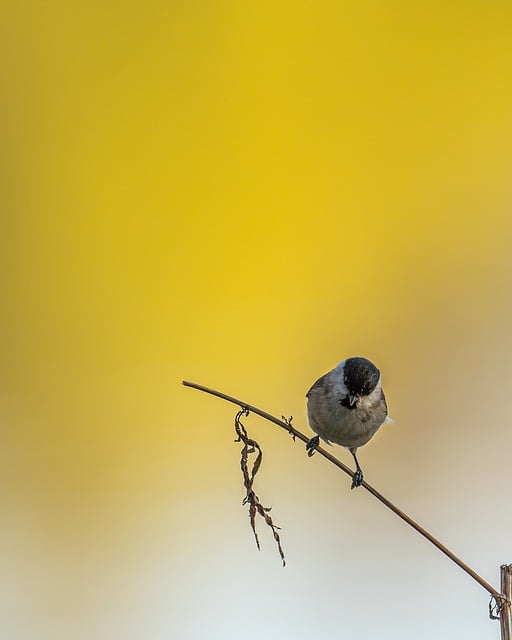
point(347, 406)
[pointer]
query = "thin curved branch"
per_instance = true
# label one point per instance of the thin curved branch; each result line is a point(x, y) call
point(286, 424)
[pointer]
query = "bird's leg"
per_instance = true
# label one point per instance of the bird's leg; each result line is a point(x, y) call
point(311, 445)
point(357, 478)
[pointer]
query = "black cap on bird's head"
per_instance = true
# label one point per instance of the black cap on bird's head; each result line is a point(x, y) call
point(360, 377)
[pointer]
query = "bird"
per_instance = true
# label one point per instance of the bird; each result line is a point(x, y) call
point(347, 406)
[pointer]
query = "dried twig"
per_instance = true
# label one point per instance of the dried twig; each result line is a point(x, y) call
point(250, 446)
point(498, 597)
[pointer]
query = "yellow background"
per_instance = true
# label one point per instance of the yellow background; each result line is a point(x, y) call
point(244, 194)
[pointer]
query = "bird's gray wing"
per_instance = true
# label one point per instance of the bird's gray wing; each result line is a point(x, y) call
point(383, 397)
point(319, 385)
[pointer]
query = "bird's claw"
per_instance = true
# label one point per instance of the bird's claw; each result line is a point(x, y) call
point(311, 445)
point(357, 479)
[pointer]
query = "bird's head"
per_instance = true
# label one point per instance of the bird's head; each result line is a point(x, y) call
point(360, 377)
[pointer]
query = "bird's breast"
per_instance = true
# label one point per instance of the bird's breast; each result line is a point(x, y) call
point(336, 423)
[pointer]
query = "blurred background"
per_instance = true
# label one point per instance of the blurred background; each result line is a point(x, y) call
point(243, 195)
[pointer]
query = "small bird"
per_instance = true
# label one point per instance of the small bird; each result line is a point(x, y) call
point(347, 406)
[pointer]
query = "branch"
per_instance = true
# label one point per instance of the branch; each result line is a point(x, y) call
point(286, 424)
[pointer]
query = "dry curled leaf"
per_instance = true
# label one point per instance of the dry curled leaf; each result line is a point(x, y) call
point(249, 470)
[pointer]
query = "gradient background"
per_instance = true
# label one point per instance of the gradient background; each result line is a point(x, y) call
point(243, 194)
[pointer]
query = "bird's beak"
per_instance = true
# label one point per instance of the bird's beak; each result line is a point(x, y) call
point(352, 399)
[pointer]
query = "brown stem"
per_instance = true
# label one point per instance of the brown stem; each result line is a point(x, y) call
point(323, 452)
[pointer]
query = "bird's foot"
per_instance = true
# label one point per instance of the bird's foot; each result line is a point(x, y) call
point(357, 479)
point(311, 445)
